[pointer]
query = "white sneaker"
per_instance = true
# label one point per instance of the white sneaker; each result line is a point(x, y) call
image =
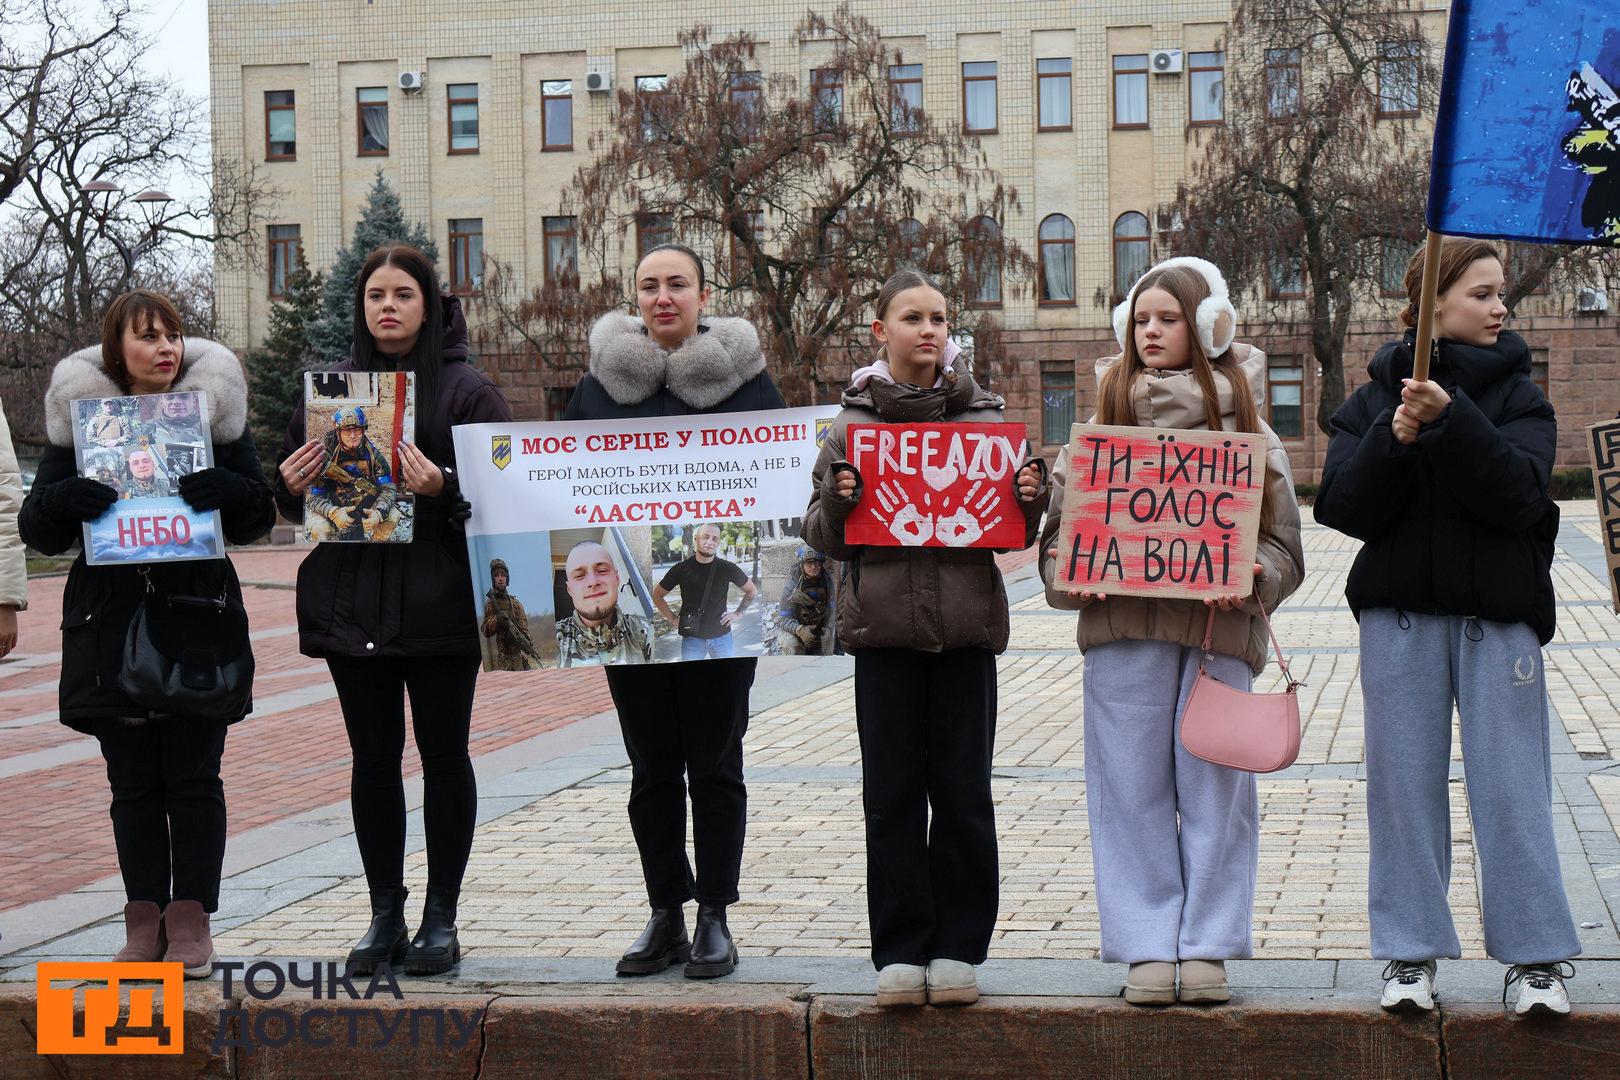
point(951, 982)
point(1408, 986)
point(1541, 988)
point(902, 984)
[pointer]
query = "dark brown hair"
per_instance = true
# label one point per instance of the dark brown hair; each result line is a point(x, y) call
point(426, 357)
point(139, 308)
point(697, 260)
point(1457, 254)
point(1114, 397)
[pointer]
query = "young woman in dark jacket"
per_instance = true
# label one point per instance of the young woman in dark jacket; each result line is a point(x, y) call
point(1445, 482)
point(397, 619)
point(683, 724)
point(168, 804)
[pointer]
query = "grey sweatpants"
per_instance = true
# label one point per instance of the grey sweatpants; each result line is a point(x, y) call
point(1175, 841)
point(1413, 667)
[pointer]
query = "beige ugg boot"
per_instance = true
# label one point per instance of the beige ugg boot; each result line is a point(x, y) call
point(1151, 982)
point(1204, 981)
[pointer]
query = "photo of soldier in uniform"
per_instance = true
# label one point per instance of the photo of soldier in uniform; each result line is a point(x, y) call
point(360, 418)
point(601, 586)
point(507, 623)
point(512, 574)
point(144, 481)
point(804, 613)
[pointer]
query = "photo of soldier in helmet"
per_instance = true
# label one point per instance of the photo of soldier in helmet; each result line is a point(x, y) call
point(507, 624)
point(355, 497)
point(804, 613)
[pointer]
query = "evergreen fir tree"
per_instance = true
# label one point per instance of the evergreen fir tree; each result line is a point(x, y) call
point(381, 222)
point(275, 370)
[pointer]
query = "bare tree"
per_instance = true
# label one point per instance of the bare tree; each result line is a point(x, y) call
point(808, 198)
point(1559, 269)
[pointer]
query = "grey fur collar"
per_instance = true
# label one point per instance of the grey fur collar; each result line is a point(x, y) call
point(706, 369)
point(208, 367)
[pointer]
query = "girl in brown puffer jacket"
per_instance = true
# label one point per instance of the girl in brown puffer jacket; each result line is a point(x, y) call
point(1175, 839)
point(925, 625)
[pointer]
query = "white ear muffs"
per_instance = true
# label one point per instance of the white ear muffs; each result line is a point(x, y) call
point(1216, 318)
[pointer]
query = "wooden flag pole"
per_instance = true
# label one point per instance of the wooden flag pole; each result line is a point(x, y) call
point(1424, 345)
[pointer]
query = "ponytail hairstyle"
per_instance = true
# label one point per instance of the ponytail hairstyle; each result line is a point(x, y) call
point(1457, 254)
point(426, 357)
point(1115, 404)
point(141, 309)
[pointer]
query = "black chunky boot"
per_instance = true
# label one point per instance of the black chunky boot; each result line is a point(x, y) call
point(713, 954)
point(661, 944)
point(435, 948)
point(387, 936)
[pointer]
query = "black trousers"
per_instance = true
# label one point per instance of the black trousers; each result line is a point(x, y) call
point(927, 723)
point(372, 693)
point(683, 728)
point(168, 806)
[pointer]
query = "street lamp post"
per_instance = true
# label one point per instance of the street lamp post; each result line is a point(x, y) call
point(104, 198)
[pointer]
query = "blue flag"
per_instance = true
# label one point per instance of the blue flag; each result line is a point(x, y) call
point(1527, 139)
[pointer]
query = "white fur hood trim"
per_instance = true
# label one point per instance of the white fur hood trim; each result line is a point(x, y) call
point(706, 369)
point(208, 367)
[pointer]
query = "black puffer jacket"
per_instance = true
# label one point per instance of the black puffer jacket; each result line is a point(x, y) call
point(99, 602)
point(412, 599)
point(1460, 523)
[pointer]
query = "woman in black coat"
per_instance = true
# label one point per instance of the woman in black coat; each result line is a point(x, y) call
point(683, 724)
point(168, 804)
point(397, 619)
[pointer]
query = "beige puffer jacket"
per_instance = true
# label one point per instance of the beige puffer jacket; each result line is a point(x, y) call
point(13, 567)
point(1173, 400)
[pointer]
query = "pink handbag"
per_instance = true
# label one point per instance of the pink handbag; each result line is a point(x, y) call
point(1257, 733)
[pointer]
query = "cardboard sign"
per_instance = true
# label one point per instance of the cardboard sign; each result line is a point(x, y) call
point(1605, 447)
point(937, 485)
point(1168, 513)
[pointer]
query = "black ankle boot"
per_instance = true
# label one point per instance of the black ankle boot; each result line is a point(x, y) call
point(435, 947)
point(387, 936)
point(661, 944)
point(712, 951)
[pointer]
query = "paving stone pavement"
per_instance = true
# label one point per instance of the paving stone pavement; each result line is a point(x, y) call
point(554, 874)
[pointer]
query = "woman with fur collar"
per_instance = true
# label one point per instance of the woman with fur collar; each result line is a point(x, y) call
point(168, 804)
point(684, 719)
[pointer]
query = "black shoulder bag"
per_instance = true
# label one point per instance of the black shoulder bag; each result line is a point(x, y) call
point(189, 655)
point(691, 616)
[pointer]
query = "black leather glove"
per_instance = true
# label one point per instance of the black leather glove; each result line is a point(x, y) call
point(215, 489)
point(78, 498)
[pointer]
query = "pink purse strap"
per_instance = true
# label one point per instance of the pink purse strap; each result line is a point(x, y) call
point(1209, 637)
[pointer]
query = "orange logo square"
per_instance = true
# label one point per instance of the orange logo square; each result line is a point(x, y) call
point(81, 1008)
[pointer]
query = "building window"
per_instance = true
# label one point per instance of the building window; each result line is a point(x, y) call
point(982, 255)
point(1131, 91)
point(1285, 278)
point(742, 268)
point(557, 114)
point(284, 247)
point(827, 96)
point(1398, 78)
point(1054, 93)
point(1538, 371)
point(744, 91)
point(463, 118)
point(1394, 254)
point(371, 115)
point(1057, 404)
point(562, 250)
point(1056, 244)
point(280, 126)
point(1282, 82)
point(1206, 88)
point(910, 247)
point(905, 97)
point(653, 230)
point(557, 398)
point(649, 95)
point(979, 97)
point(466, 254)
point(1285, 394)
point(1131, 241)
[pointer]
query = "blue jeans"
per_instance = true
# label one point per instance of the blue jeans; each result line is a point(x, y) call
point(696, 648)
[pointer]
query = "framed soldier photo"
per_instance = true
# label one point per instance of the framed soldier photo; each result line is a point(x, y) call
point(359, 418)
point(140, 446)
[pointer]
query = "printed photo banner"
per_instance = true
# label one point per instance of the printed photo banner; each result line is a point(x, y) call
point(937, 485)
point(360, 417)
point(1173, 514)
point(140, 446)
point(1605, 447)
point(637, 541)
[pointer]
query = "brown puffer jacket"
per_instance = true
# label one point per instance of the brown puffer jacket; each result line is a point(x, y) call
point(1173, 400)
point(929, 599)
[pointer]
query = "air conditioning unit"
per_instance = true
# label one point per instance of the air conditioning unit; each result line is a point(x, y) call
point(1165, 61)
point(410, 81)
point(1591, 302)
point(599, 78)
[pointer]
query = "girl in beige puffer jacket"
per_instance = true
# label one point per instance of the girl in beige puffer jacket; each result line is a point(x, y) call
point(1175, 839)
